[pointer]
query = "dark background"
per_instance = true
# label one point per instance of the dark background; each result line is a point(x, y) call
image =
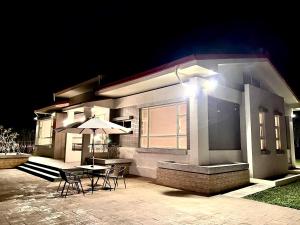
point(47, 48)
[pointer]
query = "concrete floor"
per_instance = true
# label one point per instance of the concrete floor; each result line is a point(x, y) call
point(25, 199)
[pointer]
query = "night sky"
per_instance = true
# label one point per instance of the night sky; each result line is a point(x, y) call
point(47, 48)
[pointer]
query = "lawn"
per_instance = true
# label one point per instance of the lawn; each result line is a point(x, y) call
point(287, 195)
point(298, 162)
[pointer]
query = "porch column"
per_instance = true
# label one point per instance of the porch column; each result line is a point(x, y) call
point(199, 144)
point(290, 127)
point(86, 138)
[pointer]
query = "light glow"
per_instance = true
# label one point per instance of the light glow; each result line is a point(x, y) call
point(210, 85)
point(293, 115)
point(190, 90)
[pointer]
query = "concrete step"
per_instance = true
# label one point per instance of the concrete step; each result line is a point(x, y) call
point(42, 169)
point(43, 165)
point(38, 173)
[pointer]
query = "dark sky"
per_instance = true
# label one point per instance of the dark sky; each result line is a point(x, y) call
point(47, 48)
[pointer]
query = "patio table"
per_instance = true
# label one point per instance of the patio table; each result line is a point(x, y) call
point(92, 169)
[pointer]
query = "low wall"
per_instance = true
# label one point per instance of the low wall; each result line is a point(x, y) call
point(12, 160)
point(204, 180)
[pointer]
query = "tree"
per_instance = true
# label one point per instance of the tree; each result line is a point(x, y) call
point(8, 140)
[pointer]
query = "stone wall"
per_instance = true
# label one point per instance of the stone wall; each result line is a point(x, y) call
point(206, 184)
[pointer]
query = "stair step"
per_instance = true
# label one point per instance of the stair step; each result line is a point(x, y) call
point(43, 165)
point(42, 169)
point(39, 173)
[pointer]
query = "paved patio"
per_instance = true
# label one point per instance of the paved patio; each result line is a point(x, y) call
point(25, 199)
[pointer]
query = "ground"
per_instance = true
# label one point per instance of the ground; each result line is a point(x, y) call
point(287, 195)
point(298, 162)
point(25, 199)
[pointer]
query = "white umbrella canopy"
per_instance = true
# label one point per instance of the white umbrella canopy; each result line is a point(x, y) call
point(93, 126)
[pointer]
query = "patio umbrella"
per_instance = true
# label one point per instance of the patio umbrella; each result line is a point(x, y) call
point(93, 126)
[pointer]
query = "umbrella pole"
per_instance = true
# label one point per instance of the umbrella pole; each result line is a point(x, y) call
point(94, 132)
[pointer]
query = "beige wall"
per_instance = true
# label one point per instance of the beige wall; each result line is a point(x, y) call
point(264, 165)
point(145, 164)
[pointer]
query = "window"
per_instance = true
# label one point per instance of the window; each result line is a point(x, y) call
point(164, 126)
point(223, 125)
point(44, 136)
point(262, 130)
point(277, 132)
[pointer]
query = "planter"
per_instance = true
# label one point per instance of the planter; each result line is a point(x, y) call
point(12, 160)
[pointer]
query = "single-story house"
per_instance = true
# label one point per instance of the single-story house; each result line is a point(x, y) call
point(213, 118)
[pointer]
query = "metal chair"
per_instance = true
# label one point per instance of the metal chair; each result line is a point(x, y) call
point(72, 179)
point(105, 176)
point(119, 175)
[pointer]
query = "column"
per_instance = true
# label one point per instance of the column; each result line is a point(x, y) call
point(199, 143)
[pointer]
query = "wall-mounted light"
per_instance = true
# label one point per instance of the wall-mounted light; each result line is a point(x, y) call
point(35, 118)
point(293, 115)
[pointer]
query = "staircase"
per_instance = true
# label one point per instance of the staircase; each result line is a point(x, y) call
point(41, 170)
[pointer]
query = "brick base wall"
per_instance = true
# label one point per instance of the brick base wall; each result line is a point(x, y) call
point(207, 184)
point(11, 162)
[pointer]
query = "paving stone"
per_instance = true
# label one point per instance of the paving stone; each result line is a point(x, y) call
point(143, 202)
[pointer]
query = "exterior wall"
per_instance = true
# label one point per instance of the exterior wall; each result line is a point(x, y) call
point(225, 156)
point(264, 165)
point(59, 139)
point(206, 184)
point(145, 164)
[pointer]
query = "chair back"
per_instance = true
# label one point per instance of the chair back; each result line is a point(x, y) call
point(63, 175)
point(122, 171)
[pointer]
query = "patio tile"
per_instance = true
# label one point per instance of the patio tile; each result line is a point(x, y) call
point(142, 202)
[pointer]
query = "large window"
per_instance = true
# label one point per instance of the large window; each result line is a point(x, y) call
point(44, 135)
point(164, 126)
point(262, 130)
point(277, 132)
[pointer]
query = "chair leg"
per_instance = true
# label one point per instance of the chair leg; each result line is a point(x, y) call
point(67, 190)
point(116, 183)
point(81, 187)
point(59, 185)
point(62, 191)
point(124, 182)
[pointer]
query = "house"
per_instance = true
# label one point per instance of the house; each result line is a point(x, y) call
point(214, 119)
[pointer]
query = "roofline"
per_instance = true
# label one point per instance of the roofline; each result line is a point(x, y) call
point(181, 61)
point(48, 108)
point(92, 80)
point(283, 80)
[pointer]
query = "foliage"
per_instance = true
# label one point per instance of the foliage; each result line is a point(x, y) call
point(287, 195)
point(8, 140)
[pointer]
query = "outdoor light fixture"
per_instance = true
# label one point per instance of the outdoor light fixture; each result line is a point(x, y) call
point(293, 115)
point(35, 118)
point(53, 114)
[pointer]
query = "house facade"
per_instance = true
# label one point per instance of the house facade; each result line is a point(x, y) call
point(202, 110)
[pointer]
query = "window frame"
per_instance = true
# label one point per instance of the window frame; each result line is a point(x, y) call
point(277, 126)
point(262, 127)
point(177, 135)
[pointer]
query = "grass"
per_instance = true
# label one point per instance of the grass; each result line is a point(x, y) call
point(298, 162)
point(287, 195)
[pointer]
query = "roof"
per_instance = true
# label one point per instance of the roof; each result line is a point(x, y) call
point(80, 88)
